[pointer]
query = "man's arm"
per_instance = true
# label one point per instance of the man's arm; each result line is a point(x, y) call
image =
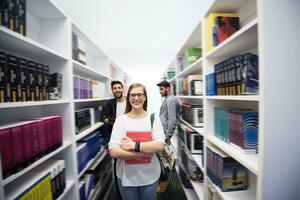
point(107, 113)
point(172, 117)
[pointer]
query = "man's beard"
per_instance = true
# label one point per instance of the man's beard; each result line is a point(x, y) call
point(118, 95)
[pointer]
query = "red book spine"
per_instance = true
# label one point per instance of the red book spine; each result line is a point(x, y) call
point(17, 145)
point(42, 136)
point(49, 133)
point(57, 130)
point(6, 150)
point(34, 131)
point(139, 137)
point(28, 142)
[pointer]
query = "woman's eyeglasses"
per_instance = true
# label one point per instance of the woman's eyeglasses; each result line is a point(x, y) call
point(139, 95)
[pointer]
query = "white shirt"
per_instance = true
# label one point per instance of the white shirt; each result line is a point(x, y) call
point(121, 106)
point(136, 174)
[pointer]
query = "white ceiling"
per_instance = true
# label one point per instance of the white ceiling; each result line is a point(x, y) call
point(129, 28)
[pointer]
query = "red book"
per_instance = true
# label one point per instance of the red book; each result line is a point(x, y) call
point(17, 145)
point(57, 130)
point(139, 137)
point(6, 150)
point(49, 133)
point(34, 133)
point(42, 136)
point(28, 142)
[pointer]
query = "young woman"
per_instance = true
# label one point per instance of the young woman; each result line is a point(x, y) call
point(138, 167)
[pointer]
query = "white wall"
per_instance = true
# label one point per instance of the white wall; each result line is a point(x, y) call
point(142, 36)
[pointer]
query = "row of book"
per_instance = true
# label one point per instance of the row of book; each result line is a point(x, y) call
point(224, 171)
point(190, 166)
point(219, 27)
point(47, 181)
point(13, 15)
point(190, 138)
point(193, 114)
point(189, 56)
point(87, 89)
point(95, 181)
point(238, 127)
point(192, 85)
point(87, 148)
point(78, 49)
point(23, 142)
point(27, 80)
point(87, 117)
point(238, 75)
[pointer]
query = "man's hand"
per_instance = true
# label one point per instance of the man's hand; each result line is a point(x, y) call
point(127, 144)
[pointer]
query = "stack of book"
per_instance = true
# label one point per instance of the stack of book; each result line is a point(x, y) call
point(192, 85)
point(98, 178)
point(78, 49)
point(190, 166)
point(219, 27)
point(193, 114)
point(224, 171)
point(87, 149)
point(211, 85)
point(237, 75)
point(21, 143)
point(47, 181)
point(13, 15)
point(238, 127)
point(86, 88)
point(26, 80)
point(83, 119)
point(191, 139)
point(191, 55)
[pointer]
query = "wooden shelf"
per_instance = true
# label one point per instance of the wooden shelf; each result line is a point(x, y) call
point(249, 160)
point(36, 163)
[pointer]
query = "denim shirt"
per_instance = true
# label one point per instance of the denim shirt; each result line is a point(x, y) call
point(169, 115)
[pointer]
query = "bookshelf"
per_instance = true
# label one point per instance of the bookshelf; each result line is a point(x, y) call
point(49, 41)
point(277, 89)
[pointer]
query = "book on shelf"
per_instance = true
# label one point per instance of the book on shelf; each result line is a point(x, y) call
point(190, 166)
point(3, 77)
point(193, 114)
point(44, 182)
point(13, 78)
point(194, 85)
point(211, 85)
point(191, 55)
point(180, 63)
point(24, 79)
point(218, 27)
point(56, 86)
point(32, 81)
point(238, 75)
point(224, 171)
point(139, 137)
point(40, 81)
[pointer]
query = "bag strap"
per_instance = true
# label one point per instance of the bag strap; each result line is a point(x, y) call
point(152, 117)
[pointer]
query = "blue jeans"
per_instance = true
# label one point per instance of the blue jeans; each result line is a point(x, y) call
point(146, 192)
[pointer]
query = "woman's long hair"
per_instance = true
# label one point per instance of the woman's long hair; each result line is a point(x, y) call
point(128, 105)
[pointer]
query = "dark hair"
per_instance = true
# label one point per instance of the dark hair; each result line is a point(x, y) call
point(163, 84)
point(114, 83)
point(128, 105)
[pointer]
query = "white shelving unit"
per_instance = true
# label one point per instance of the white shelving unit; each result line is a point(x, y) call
point(49, 41)
point(277, 99)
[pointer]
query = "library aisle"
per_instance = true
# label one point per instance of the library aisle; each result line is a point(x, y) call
point(235, 77)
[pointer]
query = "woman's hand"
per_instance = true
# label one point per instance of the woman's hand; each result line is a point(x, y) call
point(127, 144)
